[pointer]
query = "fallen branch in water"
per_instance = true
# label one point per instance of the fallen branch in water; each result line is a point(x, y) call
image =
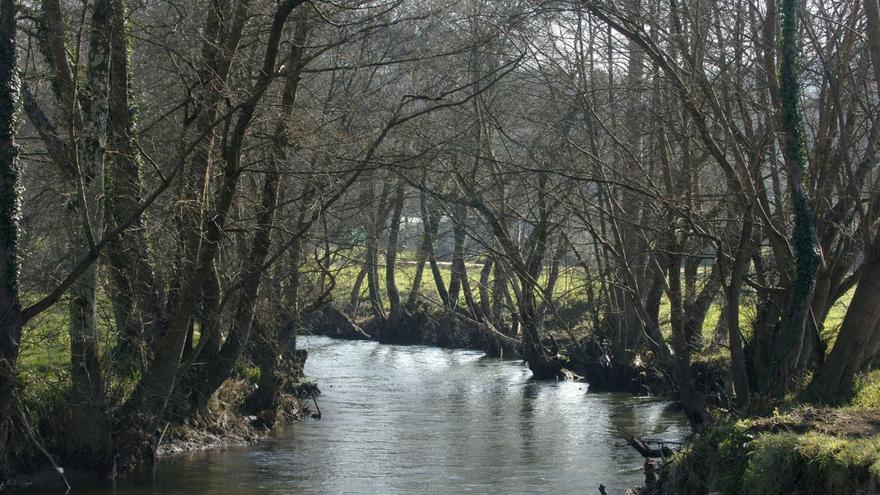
point(644, 447)
point(315, 400)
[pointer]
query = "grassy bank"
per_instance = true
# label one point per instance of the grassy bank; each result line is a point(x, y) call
point(800, 450)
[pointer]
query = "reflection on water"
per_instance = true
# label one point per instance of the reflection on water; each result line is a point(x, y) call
point(423, 420)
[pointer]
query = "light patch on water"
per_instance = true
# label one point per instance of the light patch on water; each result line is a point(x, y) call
point(400, 420)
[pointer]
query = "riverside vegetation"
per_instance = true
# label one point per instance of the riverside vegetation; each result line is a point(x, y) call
point(657, 197)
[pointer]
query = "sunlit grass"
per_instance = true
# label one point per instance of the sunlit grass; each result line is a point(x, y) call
point(45, 342)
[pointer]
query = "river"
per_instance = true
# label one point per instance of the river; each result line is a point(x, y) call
point(422, 420)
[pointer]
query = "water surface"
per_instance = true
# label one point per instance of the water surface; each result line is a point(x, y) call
point(430, 421)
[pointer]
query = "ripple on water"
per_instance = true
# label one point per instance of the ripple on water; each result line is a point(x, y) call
point(425, 420)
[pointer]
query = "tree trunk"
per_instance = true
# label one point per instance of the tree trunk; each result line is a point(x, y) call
point(356, 289)
point(858, 339)
point(371, 265)
point(872, 13)
point(536, 357)
point(209, 378)
point(11, 318)
point(790, 341)
point(431, 224)
point(134, 293)
point(371, 253)
point(458, 272)
point(731, 313)
point(691, 401)
point(500, 291)
point(202, 238)
point(549, 303)
point(421, 259)
point(391, 256)
point(485, 297)
point(87, 398)
point(266, 355)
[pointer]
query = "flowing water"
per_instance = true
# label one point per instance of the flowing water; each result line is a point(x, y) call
point(428, 421)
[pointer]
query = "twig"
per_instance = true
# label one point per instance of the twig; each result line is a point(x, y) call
point(662, 451)
point(315, 400)
point(159, 443)
point(40, 447)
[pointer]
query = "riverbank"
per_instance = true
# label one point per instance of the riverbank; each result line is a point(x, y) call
point(796, 450)
point(44, 461)
point(454, 420)
point(584, 356)
point(799, 449)
point(178, 440)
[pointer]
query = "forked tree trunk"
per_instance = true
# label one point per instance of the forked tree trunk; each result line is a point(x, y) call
point(858, 339)
point(202, 241)
point(210, 377)
point(541, 365)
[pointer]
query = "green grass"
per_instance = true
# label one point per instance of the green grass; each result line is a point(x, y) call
point(867, 391)
point(570, 288)
point(45, 341)
point(739, 458)
point(811, 463)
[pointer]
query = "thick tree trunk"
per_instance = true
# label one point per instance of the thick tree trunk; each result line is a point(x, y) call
point(542, 365)
point(134, 293)
point(858, 339)
point(199, 230)
point(790, 341)
point(691, 401)
point(697, 304)
point(11, 318)
point(87, 398)
point(266, 354)
point(202, 238)
point(210, 377)
point(354, 302)
point(218, 369)
point(731, 313)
